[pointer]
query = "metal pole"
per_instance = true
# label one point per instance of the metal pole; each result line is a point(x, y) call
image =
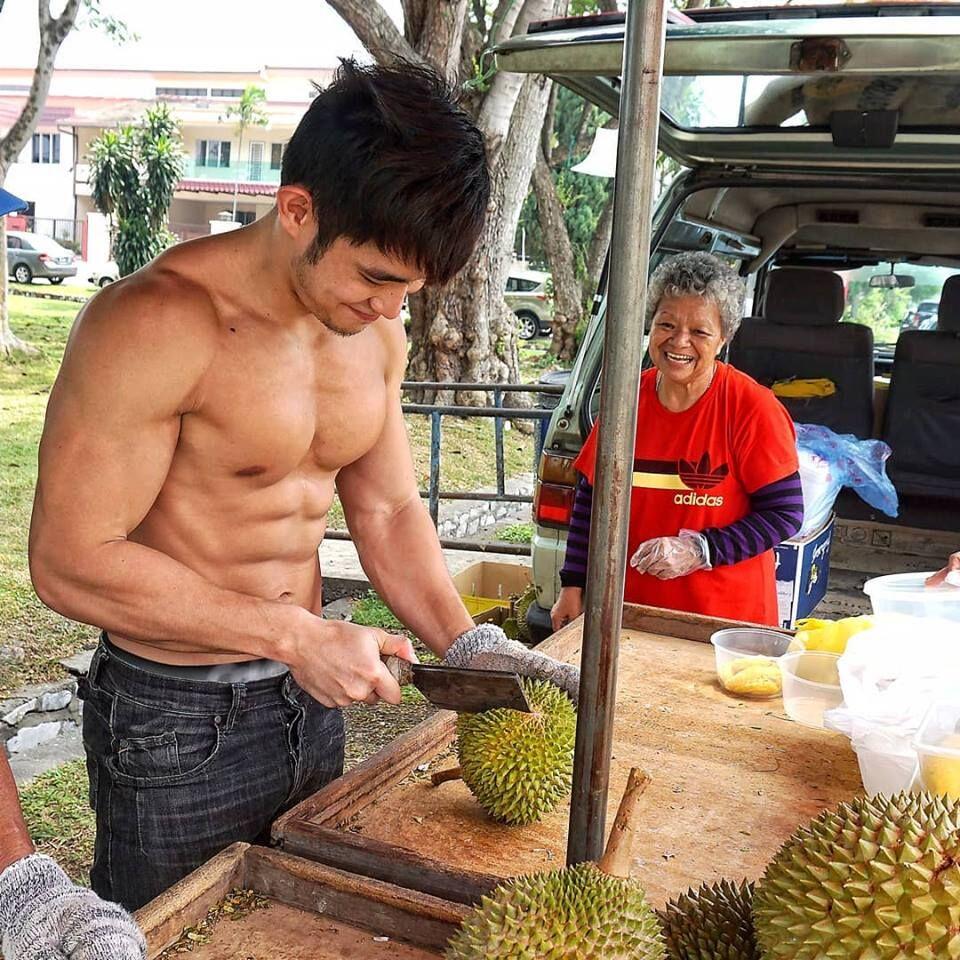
point(623, 351)
point(435, 466)
point(498, 437)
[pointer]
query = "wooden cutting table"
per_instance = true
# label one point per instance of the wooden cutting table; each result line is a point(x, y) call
point(731, 780)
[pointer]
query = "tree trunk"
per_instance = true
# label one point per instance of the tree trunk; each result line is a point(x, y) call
point(599, 246)
point(465, 332)
point(567, 295)
point(53, 31)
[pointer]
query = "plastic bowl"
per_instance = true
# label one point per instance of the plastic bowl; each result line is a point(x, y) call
point(747, 660)
point(905, 593)
point(811, 685)
point(938, 748)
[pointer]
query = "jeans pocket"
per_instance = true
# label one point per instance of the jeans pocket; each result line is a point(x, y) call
point(159, 748)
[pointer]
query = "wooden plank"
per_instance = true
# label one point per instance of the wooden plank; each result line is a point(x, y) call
point(348, 794)
point(731, 781)
point(887, 548)
point(677, 623)
point(185, 903)
point(377, 906)
point(317, 912)
point(369, 857)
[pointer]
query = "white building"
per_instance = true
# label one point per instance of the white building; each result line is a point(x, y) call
point(52, 173)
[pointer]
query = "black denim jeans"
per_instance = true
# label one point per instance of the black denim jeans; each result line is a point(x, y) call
point(180, 769)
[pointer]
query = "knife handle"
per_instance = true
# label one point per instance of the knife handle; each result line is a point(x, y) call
point(401, 670)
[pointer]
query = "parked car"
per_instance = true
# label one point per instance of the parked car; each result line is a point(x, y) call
point(789, 170)
point(102, 275)
point(527, 296)
point(921, 317)
point(31, 255)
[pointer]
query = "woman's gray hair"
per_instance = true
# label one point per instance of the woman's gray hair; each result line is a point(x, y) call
point(699, 274)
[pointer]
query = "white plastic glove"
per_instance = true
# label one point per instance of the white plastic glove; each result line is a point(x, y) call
point(45, 916)
point(487, 647)
point(671, 557)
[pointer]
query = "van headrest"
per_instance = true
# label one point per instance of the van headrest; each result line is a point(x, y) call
point(948, 315)
point(804, 296)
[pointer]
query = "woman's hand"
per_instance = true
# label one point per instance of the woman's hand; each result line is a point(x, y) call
point(568, 607)
point(949, 574)
point(669, 557)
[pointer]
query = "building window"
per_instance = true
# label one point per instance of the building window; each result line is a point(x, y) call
point(276, 155)
point(213, 153)
point(225, 92)
point(46, 148)
point(181, 91)
point(245, 217)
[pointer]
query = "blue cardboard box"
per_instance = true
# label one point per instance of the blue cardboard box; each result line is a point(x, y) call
point(803, 568)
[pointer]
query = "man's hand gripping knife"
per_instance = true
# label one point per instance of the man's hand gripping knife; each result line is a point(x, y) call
point(487, 647)
point(45, 916)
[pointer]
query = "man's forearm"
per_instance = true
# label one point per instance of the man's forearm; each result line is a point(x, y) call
point(401, 555)
point(136, 591)
point(14, 839)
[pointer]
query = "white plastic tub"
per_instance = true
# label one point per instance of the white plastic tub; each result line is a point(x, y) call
point(906, 593)
point(811, 685)
point(938, 748)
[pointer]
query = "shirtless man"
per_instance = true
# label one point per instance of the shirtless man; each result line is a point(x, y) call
point(43, 914)
point(207, 409)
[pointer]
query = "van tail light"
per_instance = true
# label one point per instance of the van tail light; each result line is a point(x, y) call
point(553, 505)
point(556, 485)
point(43, 256)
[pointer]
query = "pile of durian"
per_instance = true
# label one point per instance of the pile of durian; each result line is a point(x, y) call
point(875, 879)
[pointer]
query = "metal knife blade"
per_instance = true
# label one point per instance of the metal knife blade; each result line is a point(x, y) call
point(460, 689)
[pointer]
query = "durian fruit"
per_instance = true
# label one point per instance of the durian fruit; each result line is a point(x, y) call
point(586, 911)
point(711, 923)
point(876, 879)
point(520, 765)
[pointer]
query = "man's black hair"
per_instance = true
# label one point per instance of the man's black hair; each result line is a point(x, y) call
point(389, 157)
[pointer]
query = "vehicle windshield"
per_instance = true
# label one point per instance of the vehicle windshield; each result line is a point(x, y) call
point(710, 102)
point(888, 310)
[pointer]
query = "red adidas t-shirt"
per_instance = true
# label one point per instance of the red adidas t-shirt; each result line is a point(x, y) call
point(696, 469)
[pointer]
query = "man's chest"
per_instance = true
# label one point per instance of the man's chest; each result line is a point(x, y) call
point(270, 413)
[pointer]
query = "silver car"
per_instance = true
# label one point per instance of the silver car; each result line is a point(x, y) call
point(527, 296)
point(32, 255)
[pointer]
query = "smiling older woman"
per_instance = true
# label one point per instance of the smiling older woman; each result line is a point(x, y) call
point(715, 482)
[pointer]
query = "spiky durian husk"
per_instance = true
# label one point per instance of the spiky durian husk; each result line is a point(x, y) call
point(875, 879)
point(562, 915)
point(520, 612)
point(520, 765)
point(711, 923)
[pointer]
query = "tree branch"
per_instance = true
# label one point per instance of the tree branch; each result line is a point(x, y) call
point(53, 31)
point(442, 36)
point(376, 31)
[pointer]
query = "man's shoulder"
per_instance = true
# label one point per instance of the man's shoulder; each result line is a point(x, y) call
point(159, 301)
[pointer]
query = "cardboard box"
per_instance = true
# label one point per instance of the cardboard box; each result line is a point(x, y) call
point(486, 588)
point(803, 568)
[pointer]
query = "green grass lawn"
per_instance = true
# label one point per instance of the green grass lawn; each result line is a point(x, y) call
point(59, 818)
point(468, 462)
point(25, 624)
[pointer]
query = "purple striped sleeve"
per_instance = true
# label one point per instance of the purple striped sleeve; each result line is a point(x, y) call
point(574, 570)
point(776, 514)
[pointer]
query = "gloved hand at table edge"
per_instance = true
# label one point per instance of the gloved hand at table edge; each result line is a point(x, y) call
point(671, 557)
point(487, 647)
point(44, 915)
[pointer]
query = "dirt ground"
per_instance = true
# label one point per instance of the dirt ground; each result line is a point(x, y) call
point(370, 728)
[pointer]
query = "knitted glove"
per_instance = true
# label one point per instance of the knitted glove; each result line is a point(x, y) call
point(670, 557)
point(44, 916)
point(487, 647)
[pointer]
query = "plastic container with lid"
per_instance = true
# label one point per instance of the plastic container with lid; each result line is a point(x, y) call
point(747, 660)
point(811, 685)
point(906, 593)
point(938, 748)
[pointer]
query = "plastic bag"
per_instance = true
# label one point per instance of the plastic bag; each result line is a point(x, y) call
point(829, 461)
point(889, 675)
